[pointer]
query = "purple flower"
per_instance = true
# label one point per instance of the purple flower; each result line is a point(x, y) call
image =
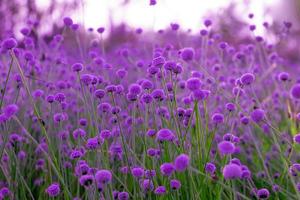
point(193, 83)
point(295, 91)
point(10, 110)
point(160, 190)
point(137, 172)
point(165, 135)
point(226, 147)
point(181, 162)
point(123, 196)
point(210, 168)
point(53, 190)
point(9, 43)
point(187, 54)
point(247, 79)
point(167, 169)
point(103, 176)
point(147, 185)
point(258, 115)
point(232, 171)
point(263, 193)
point(86, 180)
point(175, 184)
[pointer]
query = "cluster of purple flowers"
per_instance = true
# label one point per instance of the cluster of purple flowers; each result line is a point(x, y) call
point(182, 116)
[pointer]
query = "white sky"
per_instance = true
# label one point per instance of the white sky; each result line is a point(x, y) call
point(138, 13)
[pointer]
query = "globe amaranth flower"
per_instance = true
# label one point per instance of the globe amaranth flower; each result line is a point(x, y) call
point(297, 138)
point(210, 168)
point(167, 169)
point(147, 185)
point(175, 184)
point(217, 118)
point(103, 176)
point(263, 193)
point(77, 67)
point(232, 171)
point(193, 83)
point(123, 196)
point(86, 180)
point(53, 190)
point(295, 91)
point(187, 54)
point(10, 110)
point(247, 78)
point(283, 76)
point(182, 162)
point(226, 147)
point(165, 135)
point(160, 190)
point(137, 172)
point(135, 89)
point(9, 43)
point(258, 115)
point(67, 21)
point(92, 143)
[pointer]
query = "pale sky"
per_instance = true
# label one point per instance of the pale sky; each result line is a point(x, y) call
point(138, 13)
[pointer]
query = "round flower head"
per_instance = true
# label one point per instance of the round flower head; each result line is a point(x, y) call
point(158, 61)
point(77, 67)
point(226, 147)
point(175, 184)
point(187, 54)
point(217, 118)
point(123, 196)
point(193, 83)
point(147, 185)
point(92, 143)
point(160, 190)
point(164, 135)
point(86, 180)
point(167, 169)
point(53, 190)
point(135, 89)
point(10, 110)
point(232, 171)
point(247, 79)
point(297, 138)
point(103, 176)
point(230, 107)
point(137, 172)
point(283, 76)
point(100, 30)
point(210, 168)
point(4, 192)
point(258, 115)
point(263, 193)
point(9, 43)
point(68, 21)
point(295, 91)
point(181, 162)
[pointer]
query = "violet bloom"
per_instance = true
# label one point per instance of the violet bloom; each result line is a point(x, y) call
point(123, 196)
point(232, 171)
point(160, 190)
point(226, 147)
point(295, 91)
point(175, 184)
point(53, 190)
point(167, 169)
point(182, 162)
point(103, 176)
point(164, 135)
point(258, 115)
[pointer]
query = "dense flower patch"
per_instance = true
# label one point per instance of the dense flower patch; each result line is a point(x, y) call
point(177, 117)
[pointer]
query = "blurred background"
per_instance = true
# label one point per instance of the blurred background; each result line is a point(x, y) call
point(47, 14)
